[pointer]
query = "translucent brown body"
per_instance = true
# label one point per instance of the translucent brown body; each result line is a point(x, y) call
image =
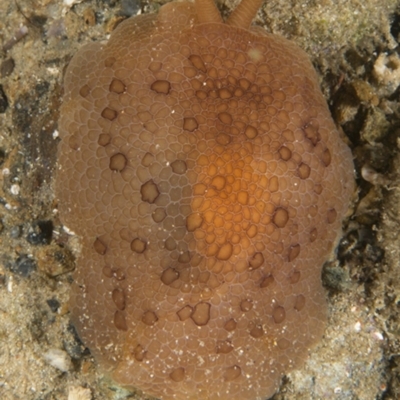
point(201, 168)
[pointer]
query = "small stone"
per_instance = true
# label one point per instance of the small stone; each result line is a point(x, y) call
point(40, 233)
point(89, 16)
point(24, 266)
point(58, 359)
point(79, 393)
point(7, 67)
point(54, 304)
point(72, 344)
point(54, 260)
point(15, 232)
point(3, 101)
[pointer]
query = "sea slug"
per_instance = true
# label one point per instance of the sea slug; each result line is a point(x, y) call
point(201, 168)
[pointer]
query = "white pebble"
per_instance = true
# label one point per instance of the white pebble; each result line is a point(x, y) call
point(79, 393)
point(377, 335)
point(15, 189)
point(357, 326)
point(58, 359)
point(70, 3)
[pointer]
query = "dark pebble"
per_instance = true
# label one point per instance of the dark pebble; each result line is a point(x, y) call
point(129, 7)
point(3, 101)
point(7, 67)
point(2, 156)
point(15, 232)
point(23, 266)
point(73, 345)
point(40, 233)
point(54, 304)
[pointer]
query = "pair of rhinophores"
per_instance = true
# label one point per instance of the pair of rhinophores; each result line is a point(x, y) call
point(201, 168)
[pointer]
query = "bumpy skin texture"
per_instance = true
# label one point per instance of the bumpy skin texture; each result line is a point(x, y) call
point(201, 168)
